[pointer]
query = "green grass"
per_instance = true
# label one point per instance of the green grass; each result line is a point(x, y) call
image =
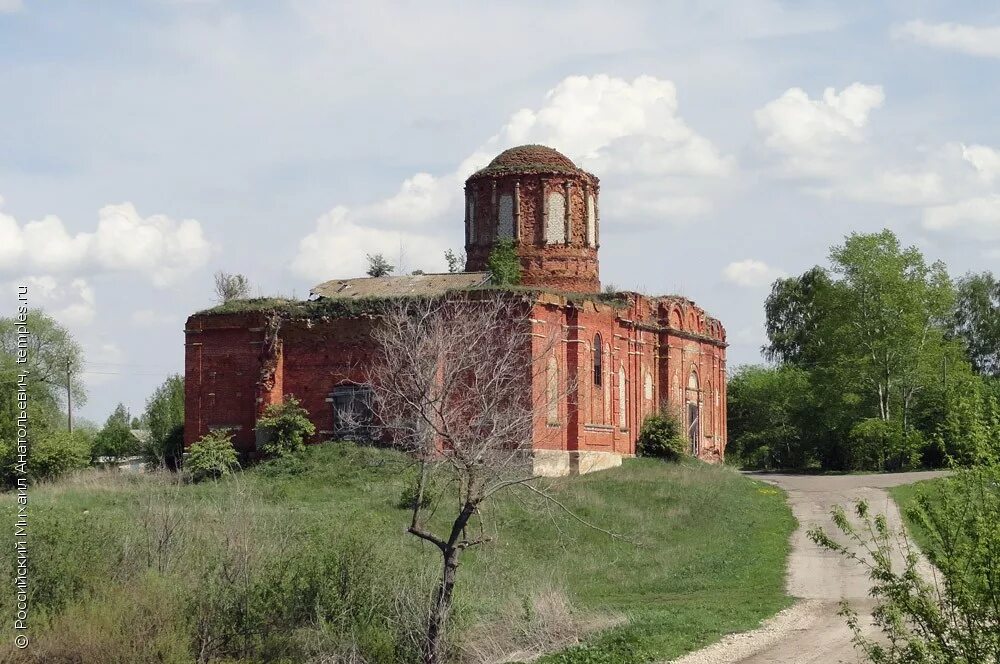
point(906, 496)
point(702, 550)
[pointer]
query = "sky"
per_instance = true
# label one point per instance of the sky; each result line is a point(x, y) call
point(145, 145)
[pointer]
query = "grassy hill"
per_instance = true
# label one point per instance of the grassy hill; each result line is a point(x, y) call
point(308, 561)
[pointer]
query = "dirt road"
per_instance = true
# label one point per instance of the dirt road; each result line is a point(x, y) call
point(811, 632)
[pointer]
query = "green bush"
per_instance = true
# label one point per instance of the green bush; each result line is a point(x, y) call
point(285, 427)
point(58, 453)
point(504, 264)
point(662, 437)
point(212, 456)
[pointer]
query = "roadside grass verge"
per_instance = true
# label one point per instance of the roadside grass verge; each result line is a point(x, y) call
point(906, 497)
point(307, 560)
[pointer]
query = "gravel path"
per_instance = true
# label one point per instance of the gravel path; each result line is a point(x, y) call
point(811, 632)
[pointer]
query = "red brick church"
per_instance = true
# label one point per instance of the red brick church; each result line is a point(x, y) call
point(632, 357)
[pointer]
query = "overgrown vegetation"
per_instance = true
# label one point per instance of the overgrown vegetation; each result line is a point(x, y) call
point(229, 287)
point(212, 456)
point(504, 264)
point(284, 428)
point(945, 613)
point(455, 261)
point(304, 559)
point(871, 366)
point(662, 437)
point(378, 266)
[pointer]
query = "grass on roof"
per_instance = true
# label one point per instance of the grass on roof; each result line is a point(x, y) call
point(338, 307)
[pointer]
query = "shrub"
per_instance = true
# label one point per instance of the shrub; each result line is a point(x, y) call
point(212, 456)
point(285, 427)
point(57, 453)
point(950, 616)
point(504, 265)
point(662, 437)
point(408, 498)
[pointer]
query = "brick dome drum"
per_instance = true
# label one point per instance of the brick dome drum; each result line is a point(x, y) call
point(538, 198)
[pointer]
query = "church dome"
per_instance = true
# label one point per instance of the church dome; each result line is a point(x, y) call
point(528, 159)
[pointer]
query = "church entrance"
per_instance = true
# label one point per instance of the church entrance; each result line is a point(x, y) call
point(694, 413)
point(694, 428)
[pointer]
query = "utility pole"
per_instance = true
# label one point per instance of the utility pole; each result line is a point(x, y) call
point(69, 395)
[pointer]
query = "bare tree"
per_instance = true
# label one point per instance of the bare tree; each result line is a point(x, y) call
point(231, 286)
point(454, 385)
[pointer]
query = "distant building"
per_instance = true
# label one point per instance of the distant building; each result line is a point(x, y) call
point(632, 357)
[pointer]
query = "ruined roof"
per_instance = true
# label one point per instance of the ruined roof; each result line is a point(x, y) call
point(529, 159)
point(412, 284)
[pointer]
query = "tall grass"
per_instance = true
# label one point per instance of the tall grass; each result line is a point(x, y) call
point(307, 560)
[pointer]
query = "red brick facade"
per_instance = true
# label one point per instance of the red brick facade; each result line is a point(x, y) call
point(655, 352)
point(620, 360)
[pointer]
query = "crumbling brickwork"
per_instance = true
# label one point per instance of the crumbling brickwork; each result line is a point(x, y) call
point(549, 207)
point(616, 360)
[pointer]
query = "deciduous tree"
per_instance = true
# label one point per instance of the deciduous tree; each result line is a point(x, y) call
point(378, 266)
point(977, 320)
point(454, 385)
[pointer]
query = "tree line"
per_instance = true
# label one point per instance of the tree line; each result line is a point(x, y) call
point(878, 361)
point(56, 443)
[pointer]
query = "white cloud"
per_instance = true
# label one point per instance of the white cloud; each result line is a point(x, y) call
point(895, 187)
point(968, 39)
point(338, 246)
point(751, 273)
point(984, 159)
point(72, 304)
point(150, 318)
point(617, 128)
point(809, 132)
point(157, 247)
point(977, 217)
point(609, 124)
point(11, 6)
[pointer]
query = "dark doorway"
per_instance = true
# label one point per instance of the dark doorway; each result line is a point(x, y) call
point(694, 428)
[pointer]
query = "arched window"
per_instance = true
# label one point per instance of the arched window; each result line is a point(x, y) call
point(471, 206)
point(694, 413)
point(591, 222)
point(505, 219)
point(622, 399)
point(598, 360)
point(555, 225)
point(552, 389)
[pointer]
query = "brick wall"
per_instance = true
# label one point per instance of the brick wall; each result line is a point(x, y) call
point(237, 364)
point(568, 265)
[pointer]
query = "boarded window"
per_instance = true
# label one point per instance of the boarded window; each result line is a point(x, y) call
point(352, 412)
point(647, 385)
point(471, 213)
point(552, 389)
point(555, 225)
point(591, 222)
point(505, 222)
